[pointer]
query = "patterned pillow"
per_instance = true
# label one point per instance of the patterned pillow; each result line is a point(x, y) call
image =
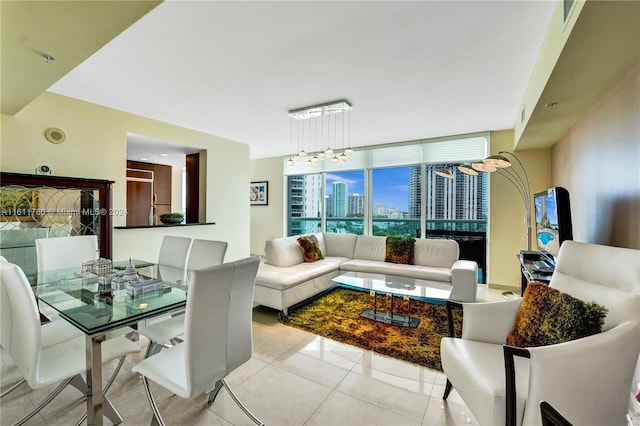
point(400, 250)
point(548, 316)
point(310, 248)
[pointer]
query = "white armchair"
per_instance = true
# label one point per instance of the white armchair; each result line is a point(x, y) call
point(587, 380)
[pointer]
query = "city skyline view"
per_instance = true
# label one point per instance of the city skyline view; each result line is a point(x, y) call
point(395, 205)
point(390, 186)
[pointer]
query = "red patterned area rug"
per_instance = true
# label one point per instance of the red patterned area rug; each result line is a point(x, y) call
point(336, 315)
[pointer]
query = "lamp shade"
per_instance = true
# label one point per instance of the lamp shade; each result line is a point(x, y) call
point(445, 173)
point(468, 170)
point(498, 161)
point(483, 167)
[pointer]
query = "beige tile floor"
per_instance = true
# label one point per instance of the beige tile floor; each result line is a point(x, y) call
point(294, 378)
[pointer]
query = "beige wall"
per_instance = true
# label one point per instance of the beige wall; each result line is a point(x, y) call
point(507, 233)
point(598, 161)
point(96, 148)
point(268, 222)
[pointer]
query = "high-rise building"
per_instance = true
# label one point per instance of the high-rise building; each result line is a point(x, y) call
point(380, 210)
point(340, 200)
point(415, 194)
point(356, 205)
point(460, 198)
point(305, 201)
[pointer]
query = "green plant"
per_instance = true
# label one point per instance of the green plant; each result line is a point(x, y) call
point(172, 215)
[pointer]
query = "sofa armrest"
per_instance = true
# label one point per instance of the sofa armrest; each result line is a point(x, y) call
point(464, 281)
point(587, 379)
point(489, 322)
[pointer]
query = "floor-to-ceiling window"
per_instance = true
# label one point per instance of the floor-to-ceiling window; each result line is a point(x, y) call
point(305, 203)
point(396, 201)
point(393, 190)
point(344, 202)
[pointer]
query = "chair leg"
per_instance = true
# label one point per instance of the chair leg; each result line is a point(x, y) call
point(12, 388)
point(175, 341)
point(447, 389)
point(241, 405)
point(152, 349)
point(44, 402)
point(157, 418)
point(214, 393)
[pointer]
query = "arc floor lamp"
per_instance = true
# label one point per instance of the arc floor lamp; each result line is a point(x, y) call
point(503, 164)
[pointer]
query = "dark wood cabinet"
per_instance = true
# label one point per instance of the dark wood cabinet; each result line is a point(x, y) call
point(162, 184)
point(147, 184)
point(193, 188)
point(89, 209)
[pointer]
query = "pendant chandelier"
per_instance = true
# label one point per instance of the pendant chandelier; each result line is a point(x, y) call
point(317, 126)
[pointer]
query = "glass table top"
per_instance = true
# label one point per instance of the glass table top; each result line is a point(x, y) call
point(95, 308)
point(430, 291)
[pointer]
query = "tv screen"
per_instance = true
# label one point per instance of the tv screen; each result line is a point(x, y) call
point(553, 220)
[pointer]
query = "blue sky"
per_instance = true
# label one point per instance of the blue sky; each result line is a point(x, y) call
point(552, 212)
point(390, 186)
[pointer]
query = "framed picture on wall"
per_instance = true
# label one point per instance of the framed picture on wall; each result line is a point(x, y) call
point(259, 193)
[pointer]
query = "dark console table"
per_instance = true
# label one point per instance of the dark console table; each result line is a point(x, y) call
point(534, 267)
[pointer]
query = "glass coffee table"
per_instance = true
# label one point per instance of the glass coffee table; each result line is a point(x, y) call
point(394, 287)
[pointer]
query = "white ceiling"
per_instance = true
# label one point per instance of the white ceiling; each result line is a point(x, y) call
point(152, 150)
point(412, 70)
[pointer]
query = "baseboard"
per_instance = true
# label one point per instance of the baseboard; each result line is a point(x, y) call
point(505, 287)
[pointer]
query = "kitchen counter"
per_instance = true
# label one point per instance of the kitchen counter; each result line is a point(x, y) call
point(163, 225)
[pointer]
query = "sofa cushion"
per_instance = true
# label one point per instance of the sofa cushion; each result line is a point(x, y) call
point(283, 252)
point(427, 273)
point(400, 250)
point(310, 248)
point(321, 244)
point(360, 265)
point(548, 316)
point(283, 278)
point(435, 252)
point(339, 245)
point(370, 248)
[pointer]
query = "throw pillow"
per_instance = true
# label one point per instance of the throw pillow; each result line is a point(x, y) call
point(400, 250)
point(548, 316)
point(310, 248)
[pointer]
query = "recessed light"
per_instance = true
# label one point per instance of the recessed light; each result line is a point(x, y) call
point(164, 155)
point(551, 105)
point(143, 158)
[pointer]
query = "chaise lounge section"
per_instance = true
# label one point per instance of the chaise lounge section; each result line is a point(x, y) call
point(285, 279)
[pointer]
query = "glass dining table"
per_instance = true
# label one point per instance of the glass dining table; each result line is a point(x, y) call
point(97, 308)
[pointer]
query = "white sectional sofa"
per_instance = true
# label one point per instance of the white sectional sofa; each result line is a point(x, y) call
point(285, 279)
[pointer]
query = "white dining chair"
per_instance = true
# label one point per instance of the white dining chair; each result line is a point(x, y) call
point(203, 254)
point(53, 333)
point(65, 252)
point(51, 353)
point(218, 336)
point(172, 261)
point(174, 251)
